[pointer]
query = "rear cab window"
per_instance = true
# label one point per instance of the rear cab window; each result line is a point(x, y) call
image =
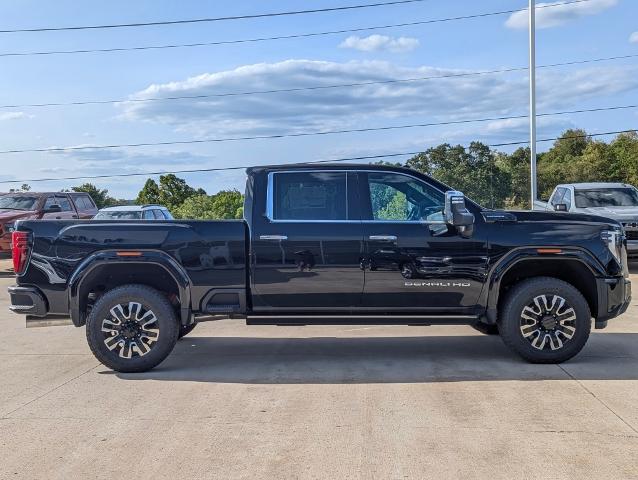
point(309, 196)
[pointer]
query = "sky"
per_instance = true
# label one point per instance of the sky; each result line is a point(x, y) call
point(580, 31)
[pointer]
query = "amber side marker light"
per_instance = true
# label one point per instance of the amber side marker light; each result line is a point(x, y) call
point(129, 254)
point(548, 250)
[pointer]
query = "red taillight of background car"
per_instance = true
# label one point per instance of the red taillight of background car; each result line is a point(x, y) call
point(19, 251)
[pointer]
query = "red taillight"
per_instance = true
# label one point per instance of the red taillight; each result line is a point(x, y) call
point(19, 251)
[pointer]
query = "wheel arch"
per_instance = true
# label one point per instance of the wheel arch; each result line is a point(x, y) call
point(577, 267)
point(108, 269)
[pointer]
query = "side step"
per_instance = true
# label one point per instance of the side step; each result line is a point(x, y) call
point(416, 320)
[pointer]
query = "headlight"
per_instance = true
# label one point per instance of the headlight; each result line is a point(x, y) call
point(614, 240)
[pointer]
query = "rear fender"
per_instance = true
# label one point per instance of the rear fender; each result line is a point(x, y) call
point(140, 257)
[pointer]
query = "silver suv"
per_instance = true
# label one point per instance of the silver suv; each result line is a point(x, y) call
point(134, 212)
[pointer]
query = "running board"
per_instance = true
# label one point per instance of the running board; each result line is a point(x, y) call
point(48, 321)
point(303, 320)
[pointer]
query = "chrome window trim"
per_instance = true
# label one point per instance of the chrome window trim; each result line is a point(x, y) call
point(270, 199)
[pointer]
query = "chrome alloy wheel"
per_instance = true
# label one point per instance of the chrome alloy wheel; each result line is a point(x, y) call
point(548, 321)
point(130, 328)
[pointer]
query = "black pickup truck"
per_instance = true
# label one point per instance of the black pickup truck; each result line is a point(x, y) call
point(329, 244)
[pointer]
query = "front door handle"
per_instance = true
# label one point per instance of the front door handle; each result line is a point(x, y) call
point(383, 238)
point(273, 237)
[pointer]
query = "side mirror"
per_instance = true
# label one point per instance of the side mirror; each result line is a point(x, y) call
point(55, 208)
point(456, 214)
point(560, 207)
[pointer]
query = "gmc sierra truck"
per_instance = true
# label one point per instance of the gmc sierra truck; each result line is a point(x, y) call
point(329, 244)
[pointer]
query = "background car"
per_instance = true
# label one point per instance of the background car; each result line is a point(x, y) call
point(618, 201)
point(45, 205)
point(134, 212)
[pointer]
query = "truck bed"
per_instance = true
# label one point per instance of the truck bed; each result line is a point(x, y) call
point(211, 253)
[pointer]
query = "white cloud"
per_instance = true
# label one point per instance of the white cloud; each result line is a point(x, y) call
point(13, 116)
point(633, 38)
point(369, 105)
point(375, 43)
point(560, 14)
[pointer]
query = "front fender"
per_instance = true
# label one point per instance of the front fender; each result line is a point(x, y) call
point(500, 268)
point(110, 257)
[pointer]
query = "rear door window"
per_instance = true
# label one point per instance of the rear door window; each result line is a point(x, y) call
point(148, 215)
point(310, 196)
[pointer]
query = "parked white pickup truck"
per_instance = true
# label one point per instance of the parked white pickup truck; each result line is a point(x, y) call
point(612, 200)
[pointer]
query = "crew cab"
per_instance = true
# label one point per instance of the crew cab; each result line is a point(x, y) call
point(34, 205)
point(329, 244)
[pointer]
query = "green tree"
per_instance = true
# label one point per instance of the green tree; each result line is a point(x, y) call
point(625, 151)
point(516, 167)
point(149, 194)
point(173, 191)
point(224, 205)
point(100, 196)
point(474, 171)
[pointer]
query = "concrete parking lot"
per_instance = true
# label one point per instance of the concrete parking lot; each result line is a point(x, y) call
point(318, 402)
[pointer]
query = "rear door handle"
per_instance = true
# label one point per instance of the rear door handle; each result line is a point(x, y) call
point(384, 238)
point(273, 237)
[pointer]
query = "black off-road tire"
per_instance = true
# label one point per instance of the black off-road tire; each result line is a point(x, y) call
point(509, 319)
point(186, 329)
point(166, 323)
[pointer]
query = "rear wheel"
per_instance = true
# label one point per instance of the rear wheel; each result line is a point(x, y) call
point(132, 328)
point(545, 320)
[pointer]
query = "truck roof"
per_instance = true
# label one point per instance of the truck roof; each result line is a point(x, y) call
point(330, 166)
point(594, 185)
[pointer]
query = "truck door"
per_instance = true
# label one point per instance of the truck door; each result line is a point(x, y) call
point(307, 248)
point(414, 261)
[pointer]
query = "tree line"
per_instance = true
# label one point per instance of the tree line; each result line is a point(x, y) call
point(493, 179)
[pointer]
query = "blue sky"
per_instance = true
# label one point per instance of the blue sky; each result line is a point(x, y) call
point(597, 28)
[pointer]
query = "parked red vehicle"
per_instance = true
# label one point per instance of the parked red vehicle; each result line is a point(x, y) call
point(34, 206)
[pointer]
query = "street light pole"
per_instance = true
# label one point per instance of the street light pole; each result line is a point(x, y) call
point(532, 99)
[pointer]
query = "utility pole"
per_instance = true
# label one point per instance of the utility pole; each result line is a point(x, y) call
point(532, 99)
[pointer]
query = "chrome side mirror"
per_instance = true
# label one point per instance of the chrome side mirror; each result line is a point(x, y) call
point(456, 213)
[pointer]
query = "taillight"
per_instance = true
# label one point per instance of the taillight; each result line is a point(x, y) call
point(19, 251)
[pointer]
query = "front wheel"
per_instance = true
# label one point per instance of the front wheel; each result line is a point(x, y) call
point(545, 320)
point(132, 328)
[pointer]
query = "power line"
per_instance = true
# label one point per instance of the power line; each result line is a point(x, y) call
point(214, 19)
point(308, 134)
point(310, 88)
point(279, 37)
point(333, 160)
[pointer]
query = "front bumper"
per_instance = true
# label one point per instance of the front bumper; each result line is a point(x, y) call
point(614, 296)
point(27, 301)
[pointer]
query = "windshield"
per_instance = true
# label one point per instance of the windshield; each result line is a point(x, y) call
point(606, 197)
point(18, 202)
point(119, 215)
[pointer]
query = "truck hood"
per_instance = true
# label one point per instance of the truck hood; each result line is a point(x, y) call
point(617, 213)
point(7, 216)
point(562, 217)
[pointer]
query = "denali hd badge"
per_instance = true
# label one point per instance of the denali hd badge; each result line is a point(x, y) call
point(437, 284)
